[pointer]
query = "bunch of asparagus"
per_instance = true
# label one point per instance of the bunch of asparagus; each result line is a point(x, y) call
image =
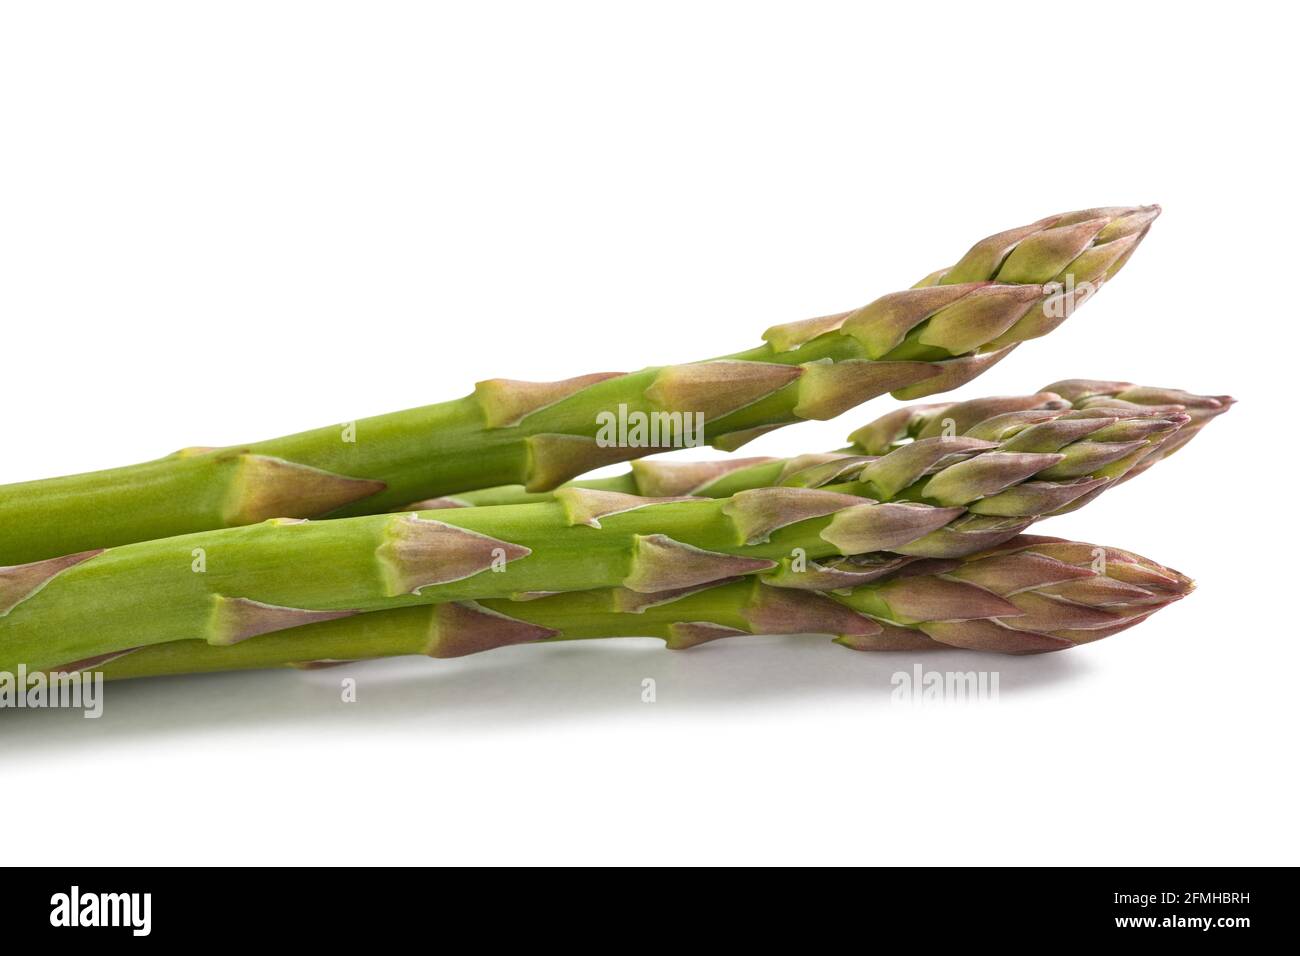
point(456, 528)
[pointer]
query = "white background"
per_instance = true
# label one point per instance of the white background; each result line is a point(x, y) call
point(224, 222)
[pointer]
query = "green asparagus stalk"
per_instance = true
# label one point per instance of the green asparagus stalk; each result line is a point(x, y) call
point(939, 497)
point(990, 418)
point(1009, 288)
point(1030, 595)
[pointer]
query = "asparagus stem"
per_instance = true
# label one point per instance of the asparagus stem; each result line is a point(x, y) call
point(1009, 288)
point(934, 497)
point(1029, 595)
point(725, 477)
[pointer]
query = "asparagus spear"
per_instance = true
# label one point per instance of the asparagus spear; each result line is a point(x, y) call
point(942, 497)
point(1013, 286)
point(1030, 595)
point(992, 417)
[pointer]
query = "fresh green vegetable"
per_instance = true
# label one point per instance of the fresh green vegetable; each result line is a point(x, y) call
point(943, 496)
point(1011, 287)
point(980, 418)
point(1026, 596)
